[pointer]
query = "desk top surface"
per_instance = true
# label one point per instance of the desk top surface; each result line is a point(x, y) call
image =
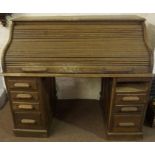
point(80, 18)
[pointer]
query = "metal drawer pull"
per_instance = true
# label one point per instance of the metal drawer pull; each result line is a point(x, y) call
point(131, 98)
point(28, 121)
point(27, 107)
point(22, 85)
point(129, 124)
point(24, 96)
point(36, 69)
point(128, 109)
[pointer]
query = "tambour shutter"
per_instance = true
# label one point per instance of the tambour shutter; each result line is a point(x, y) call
point(84, 45)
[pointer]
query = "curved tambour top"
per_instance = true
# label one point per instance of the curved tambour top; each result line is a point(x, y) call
point(78, 44)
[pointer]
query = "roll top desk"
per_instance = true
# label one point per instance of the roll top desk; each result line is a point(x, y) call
point(112, 48)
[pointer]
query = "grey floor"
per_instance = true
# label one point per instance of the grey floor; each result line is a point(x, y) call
point(78, 121)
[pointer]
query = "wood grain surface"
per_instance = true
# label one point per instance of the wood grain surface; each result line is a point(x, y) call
point(102, 46)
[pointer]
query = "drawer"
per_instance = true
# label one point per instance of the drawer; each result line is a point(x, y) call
point(129, 109)
point(126, 123)
point(26, 106)
point(24, 96)
point(130, 99)
point(22, 83)
point(28, 120)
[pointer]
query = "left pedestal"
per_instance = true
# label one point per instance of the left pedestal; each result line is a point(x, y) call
point(32, 104)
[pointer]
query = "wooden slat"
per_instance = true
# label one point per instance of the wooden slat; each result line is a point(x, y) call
point(82, 46)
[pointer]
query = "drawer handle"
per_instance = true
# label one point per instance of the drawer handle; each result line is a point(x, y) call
point(37, 69)
point(27, 107)
point(22, 85)
point(128, 124)
point(24, 96)
point(153, 103)
point(129, 109)
point(131, 98)
point(28, 121)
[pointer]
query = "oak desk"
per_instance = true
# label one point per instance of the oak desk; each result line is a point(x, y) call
point(112, 48)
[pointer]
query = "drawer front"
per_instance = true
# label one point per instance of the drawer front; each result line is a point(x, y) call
point(26, 106)
point(24, 96)
point(130, 99)
point(28, 120)
point(121, 109)
point(125, 123)
point(22, 83)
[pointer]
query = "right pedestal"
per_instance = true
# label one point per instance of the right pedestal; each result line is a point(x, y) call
point(124, 102)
